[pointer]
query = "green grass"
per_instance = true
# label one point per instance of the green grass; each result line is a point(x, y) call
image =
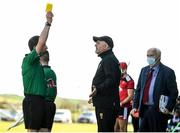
point(57, 127)
point(10, 98)
point(76, 106)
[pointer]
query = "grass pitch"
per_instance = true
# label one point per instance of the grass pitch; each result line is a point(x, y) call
point(57, 127)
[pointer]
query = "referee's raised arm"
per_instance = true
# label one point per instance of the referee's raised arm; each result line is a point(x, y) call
point(44, 34)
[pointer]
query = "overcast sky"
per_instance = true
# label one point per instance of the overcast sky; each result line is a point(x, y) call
point(134, 25)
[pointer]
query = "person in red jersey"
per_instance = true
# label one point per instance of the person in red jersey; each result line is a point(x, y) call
point(126, 93)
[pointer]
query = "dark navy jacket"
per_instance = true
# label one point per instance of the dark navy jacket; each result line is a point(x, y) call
point(165, 84)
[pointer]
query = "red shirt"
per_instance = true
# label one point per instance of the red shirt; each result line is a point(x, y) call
point(125, 84)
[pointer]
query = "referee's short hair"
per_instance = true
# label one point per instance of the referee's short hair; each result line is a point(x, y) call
point(33, 41)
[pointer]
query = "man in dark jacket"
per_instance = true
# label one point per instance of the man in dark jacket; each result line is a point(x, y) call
point(150, 90)
point(105, 85)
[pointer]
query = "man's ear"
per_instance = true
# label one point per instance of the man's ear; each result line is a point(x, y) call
point(106, 46)
point(158, 59)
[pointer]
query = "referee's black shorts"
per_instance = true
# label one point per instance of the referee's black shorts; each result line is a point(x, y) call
point(49, 114)
point(33, 111)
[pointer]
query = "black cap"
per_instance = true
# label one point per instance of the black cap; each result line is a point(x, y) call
point(107, 39)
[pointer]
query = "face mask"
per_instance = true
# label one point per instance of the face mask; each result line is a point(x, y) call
point(151, 60)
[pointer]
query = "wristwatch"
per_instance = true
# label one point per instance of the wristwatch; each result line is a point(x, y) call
point(47, 24)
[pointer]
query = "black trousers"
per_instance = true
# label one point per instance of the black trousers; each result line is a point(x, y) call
point(135, 122)
point(106, 118)
point(153, 120)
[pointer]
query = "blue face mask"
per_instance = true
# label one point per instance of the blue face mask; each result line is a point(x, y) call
point(151, 60)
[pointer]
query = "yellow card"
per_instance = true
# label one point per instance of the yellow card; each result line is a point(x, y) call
point(49, 7)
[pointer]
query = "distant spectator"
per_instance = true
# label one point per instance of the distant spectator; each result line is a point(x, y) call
point(175, 118)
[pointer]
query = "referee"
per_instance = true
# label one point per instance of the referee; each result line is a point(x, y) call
point(34, 81)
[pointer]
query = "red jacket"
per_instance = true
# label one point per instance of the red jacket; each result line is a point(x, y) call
point(125, 83)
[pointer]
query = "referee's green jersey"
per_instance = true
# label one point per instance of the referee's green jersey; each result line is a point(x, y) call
point(50, 77)
point(33, 75)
